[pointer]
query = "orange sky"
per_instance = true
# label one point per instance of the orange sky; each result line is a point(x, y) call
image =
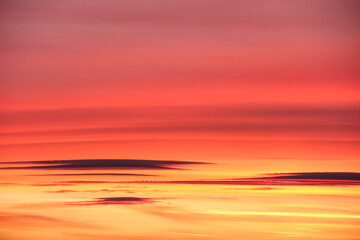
point(179, 119)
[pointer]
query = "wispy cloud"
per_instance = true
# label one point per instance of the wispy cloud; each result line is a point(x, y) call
point(112, 123)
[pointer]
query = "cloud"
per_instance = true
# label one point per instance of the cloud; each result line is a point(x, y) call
point(78, 124)
point(255, 188)
point(268, 179)
point(280, 179)
point(79, 116)
point(90, 201)
point(62, 191)
point(72, 183)
point(316, 176)
point(89, 191)
point(93, 164)
point(264, 188)
point(97, 174)
point(116, 201)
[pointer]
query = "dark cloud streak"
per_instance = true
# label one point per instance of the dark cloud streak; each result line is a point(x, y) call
point(116, 201)
point(93, 164)
point(96, 174)
point(350, 176)
point(280, 179)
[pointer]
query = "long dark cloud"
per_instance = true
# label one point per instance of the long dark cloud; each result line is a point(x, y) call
point(351, 176)
point(116, 201)
point(71, 183)
point(97, 174)
point(281, 179)
point(93, 164)
point(269, 179)
point(90, 191)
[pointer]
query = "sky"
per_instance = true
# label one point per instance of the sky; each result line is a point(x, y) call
point(179, 119)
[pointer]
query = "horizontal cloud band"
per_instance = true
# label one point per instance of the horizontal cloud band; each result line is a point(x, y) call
point(93, 164)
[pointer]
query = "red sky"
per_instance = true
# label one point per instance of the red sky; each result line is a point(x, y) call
point(220, 90)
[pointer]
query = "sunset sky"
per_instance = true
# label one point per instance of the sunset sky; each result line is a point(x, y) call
point(179, 119)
